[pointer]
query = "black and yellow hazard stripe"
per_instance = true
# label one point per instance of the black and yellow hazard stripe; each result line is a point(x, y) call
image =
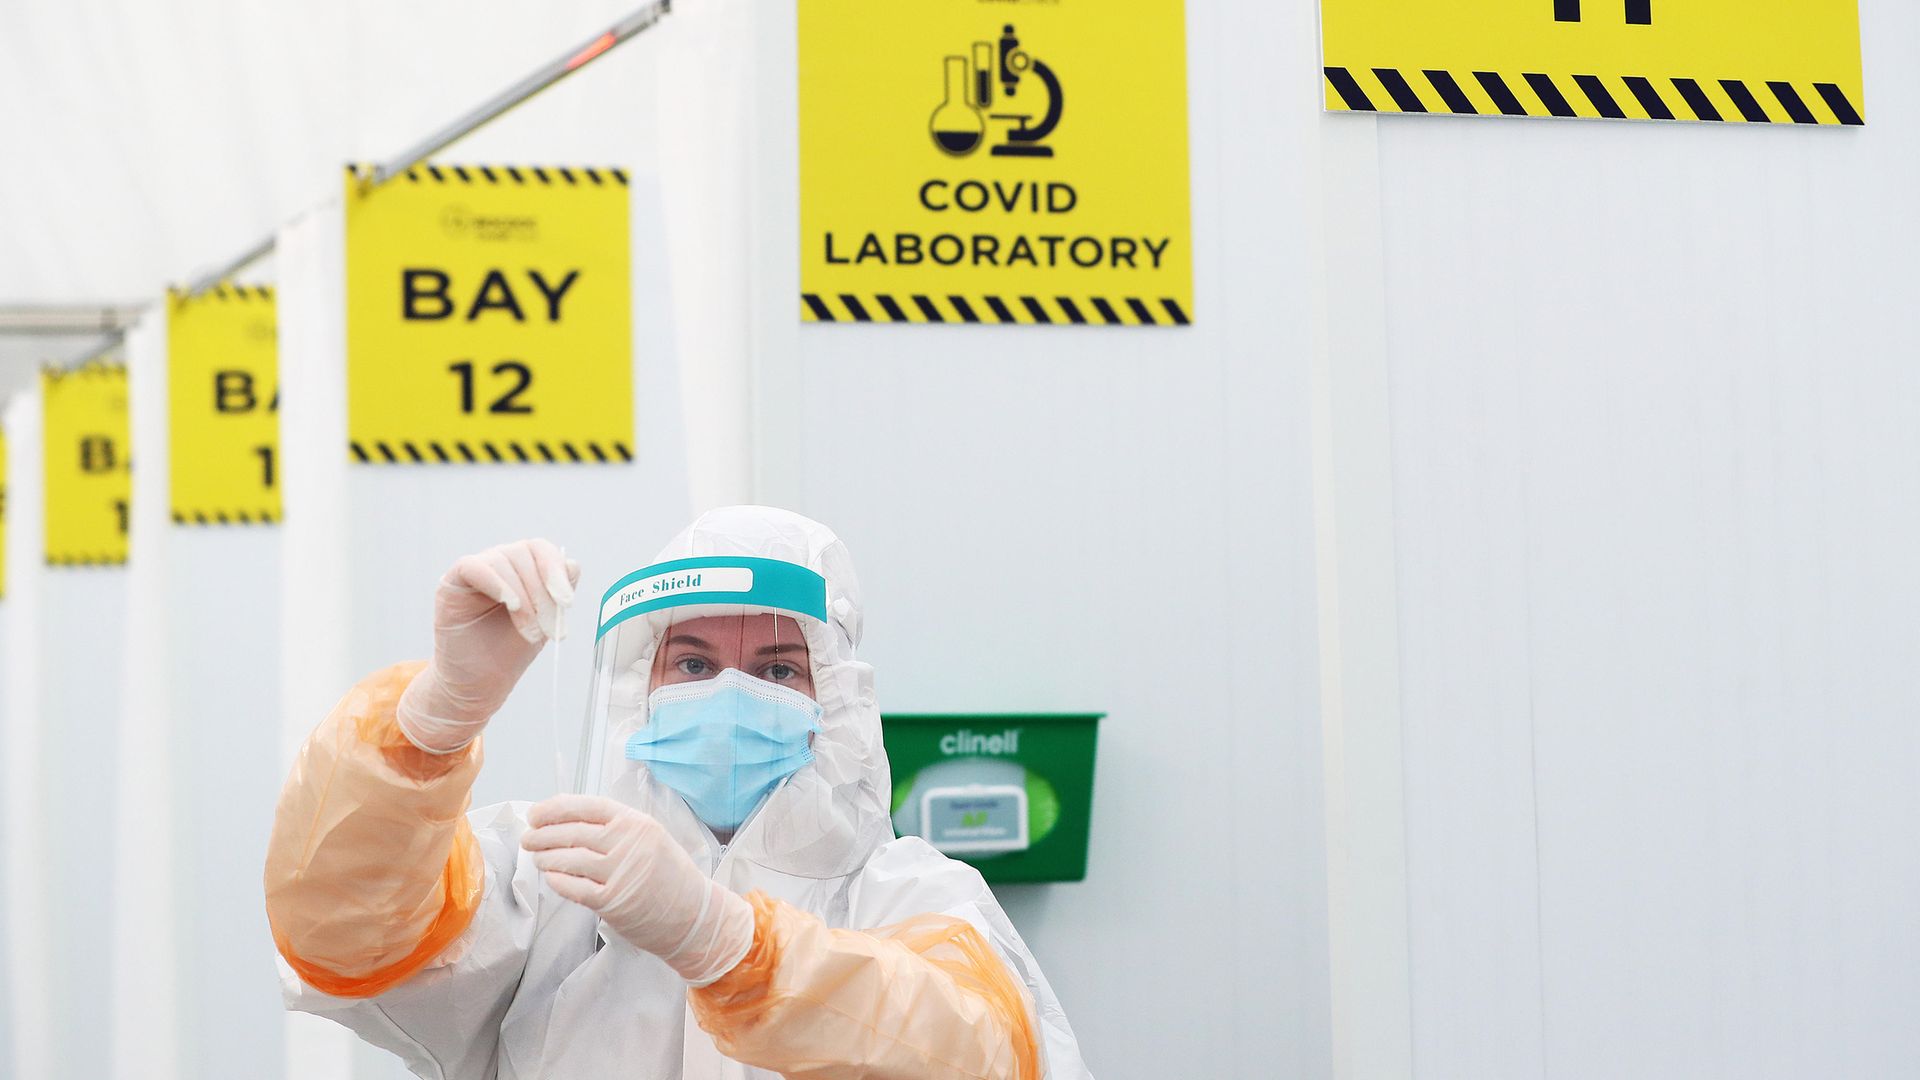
point(92, 369)
point(225, 517)
point(1022, 310)
point(226, 292)
point(1628, 97)
point(514, 174)
point(477, 452)
point(86, 561)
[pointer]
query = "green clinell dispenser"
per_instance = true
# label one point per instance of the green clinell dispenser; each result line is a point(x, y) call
point(1010, 793)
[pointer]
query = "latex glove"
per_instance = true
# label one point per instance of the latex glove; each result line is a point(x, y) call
point(491, 614)
point(620, 862)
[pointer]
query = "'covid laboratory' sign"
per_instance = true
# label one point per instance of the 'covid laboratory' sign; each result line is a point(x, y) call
point(1748, 61)
point(489, 316)
point(966, 161)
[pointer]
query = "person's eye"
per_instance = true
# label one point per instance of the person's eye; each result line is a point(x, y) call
point(781, 671)
point(693, 665)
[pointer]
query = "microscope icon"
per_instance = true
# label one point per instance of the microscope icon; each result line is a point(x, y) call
point(959, 125)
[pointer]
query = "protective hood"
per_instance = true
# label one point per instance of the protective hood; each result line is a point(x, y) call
point(826, 819)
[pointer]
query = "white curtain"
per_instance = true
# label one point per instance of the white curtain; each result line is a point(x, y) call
point(66, 646)
point(29, 954)
point(144, 1009)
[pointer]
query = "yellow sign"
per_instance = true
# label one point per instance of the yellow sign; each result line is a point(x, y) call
point(223, 407)
point(1752, 61)
point(971, 161)
point(489, 316)
point(84, 439)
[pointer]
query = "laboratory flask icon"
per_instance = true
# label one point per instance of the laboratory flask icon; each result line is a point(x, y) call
point(959, 125)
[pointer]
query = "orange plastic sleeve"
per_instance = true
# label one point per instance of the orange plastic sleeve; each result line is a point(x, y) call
point(926, 998)
point(372, 869)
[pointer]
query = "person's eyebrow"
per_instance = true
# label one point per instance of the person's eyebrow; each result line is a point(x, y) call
point(785, 646)
point(688, 640)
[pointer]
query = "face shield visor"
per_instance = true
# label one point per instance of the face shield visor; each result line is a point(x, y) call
point(703, 680)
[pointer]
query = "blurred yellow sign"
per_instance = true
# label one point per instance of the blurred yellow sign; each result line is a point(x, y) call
point(1752, 61)
point(489, 316)
point(223, 407)
point(84, 439)
point(964, 161)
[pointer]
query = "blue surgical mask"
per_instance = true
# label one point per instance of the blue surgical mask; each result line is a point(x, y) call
point(724, 743)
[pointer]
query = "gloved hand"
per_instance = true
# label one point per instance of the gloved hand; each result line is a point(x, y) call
point(491, 615)
point(621, 863)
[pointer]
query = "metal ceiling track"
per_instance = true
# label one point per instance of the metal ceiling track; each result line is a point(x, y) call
point(63, 320)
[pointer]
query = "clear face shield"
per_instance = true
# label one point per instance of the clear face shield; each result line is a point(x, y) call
point(703, 680)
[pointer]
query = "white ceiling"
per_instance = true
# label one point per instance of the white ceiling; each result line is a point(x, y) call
point(145, 142)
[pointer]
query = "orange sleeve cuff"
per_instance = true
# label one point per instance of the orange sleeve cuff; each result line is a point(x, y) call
point(927, 997)
point(747, 982)
point(372, 870)
point(461, 882)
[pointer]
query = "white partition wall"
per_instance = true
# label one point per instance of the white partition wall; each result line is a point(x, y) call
point(1659, 514)
point(203, 633)
point(6, 879)
point(148, 977)
point(7, 876)
point(66, 645)
point(365, 545)
point(1657, 495)
point(30, 1047)
point(82, 650)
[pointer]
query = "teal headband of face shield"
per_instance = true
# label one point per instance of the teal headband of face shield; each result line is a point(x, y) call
point(764, 583)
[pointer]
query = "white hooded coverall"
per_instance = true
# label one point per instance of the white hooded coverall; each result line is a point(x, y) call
point(432, 934)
